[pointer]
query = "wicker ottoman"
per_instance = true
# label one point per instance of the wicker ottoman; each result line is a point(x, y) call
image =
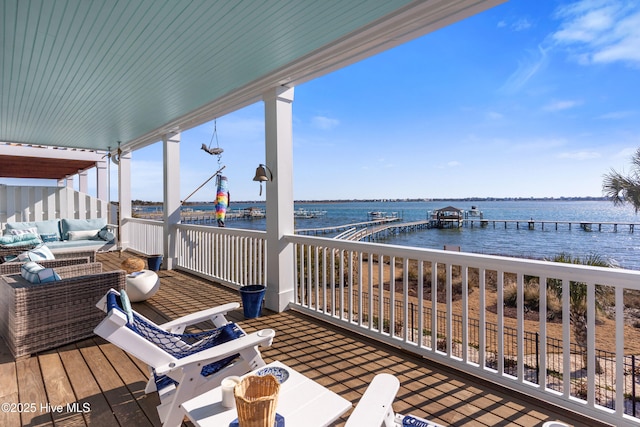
point(38, 317)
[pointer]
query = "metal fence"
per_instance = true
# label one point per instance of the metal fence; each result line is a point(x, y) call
point(532, 346)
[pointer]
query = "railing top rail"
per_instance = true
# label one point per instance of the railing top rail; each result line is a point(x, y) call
point(224, 230)
point(574, 272)
point(143, 221)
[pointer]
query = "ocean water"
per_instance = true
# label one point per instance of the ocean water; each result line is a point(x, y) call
point(621, 248)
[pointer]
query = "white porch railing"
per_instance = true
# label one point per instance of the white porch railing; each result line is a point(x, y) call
point(467, 326)
point(231, 256)
point(145, 235)
point(348, 284)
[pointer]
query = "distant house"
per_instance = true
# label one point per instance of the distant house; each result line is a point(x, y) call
point(449, 217)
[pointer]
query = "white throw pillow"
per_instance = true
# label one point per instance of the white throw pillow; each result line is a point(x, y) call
point(83, 234)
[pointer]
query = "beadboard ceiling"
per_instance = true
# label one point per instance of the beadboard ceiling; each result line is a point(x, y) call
point(85, 74)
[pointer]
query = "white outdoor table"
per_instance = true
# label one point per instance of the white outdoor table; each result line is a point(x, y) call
point(302, 402)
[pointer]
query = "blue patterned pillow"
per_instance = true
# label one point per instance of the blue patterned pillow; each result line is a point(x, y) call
point(49, 237)
point(35, 273)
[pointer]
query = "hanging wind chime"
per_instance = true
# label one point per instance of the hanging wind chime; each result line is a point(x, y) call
point(222, 186)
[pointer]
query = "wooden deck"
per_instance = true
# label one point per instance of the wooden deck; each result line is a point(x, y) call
point(107, 386)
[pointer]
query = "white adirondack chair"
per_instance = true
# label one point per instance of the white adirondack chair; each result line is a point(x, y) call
point(375, 407)
point(182, 365)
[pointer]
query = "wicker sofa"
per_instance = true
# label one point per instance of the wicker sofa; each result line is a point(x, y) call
point(38, 317)
point(64, 235)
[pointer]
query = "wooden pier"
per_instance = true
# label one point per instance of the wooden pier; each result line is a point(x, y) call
point(532, 224)
point(344, 227)
point(383, 230)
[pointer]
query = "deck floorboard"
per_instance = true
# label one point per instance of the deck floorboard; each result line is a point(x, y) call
point(96, 375)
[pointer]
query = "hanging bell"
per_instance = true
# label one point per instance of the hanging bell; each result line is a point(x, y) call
point(261, 174)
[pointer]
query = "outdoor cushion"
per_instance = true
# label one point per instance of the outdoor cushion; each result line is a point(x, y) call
point(32, 230)
point(35, 273)
point(67, 225)
point(50, 237)
point(39, 253)
point(44, 227)
point(83, 235)
point(106, 235)
point(19, 240)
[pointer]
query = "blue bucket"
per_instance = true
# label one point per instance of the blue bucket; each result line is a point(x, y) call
point(252, 297)
point(154, 262)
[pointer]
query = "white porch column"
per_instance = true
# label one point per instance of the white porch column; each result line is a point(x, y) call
point(279, 158)
point(171, 214)
point(83, 182)
point(102, 180)
point(124, 197)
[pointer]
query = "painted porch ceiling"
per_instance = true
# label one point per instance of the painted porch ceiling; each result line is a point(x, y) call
point(78, 73)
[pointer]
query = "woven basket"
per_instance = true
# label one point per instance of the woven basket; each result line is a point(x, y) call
point(131, 265)
point(256, 401)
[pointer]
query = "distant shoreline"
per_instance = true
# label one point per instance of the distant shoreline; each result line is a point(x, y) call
point(463, 199)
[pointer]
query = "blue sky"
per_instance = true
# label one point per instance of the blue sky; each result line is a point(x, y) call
point(529, 99)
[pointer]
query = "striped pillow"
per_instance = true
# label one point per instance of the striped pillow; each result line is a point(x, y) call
point(39, 253)
point(35, 273)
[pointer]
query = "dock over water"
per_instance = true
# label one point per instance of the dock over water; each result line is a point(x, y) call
point(532, 224)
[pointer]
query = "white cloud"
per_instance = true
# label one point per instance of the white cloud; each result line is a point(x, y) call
point(492, 115)
point(600, 31)
point(561, 105)
point(579, 155)
point(617, 115)
point(521, 24)
point(324, 123)
point(625, 153)
point(527, 68)
point(537, 145)
point(454, 164)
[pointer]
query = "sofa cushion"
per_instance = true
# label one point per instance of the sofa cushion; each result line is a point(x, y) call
point(75, 245)
point(44, 227)
point(35, 273)
point(67, 225)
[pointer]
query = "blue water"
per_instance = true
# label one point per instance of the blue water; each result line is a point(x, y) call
point(621, 247)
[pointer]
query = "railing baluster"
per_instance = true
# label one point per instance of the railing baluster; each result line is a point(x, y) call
point(520, 328)
point(500, 328)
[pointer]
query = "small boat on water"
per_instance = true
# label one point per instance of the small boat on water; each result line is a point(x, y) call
point(303, 213)
point(253, 213)
point(378, 215)
point(474, 211)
